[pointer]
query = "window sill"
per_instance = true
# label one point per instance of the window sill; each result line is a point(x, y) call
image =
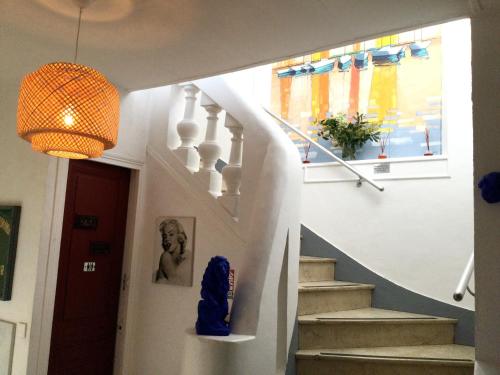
point(415, 168)
point(378, 161)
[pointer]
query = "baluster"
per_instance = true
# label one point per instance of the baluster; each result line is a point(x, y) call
point(231, 173)
point(209, 149)
point(188, 129)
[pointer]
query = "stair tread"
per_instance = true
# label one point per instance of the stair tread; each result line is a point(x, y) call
point(372, 315)
point(308, 286)
point(438, 354)
point(309, 259)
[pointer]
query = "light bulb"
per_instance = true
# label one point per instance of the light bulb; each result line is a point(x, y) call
point(68, 120)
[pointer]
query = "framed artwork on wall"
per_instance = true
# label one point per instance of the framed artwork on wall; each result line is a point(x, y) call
point(9, 228)
point(174, 250)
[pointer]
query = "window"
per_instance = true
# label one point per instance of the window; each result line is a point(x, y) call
point(395, 80)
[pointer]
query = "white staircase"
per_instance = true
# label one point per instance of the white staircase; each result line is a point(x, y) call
point(341, 334)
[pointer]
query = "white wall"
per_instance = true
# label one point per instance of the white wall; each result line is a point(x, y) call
point(133, 130)
point(166, 312)
point(485, 96)
point(253, 83)
point(418, 233)
point(22, 182)
point(162, 329)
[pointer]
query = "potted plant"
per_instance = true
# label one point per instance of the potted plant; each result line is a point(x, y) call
point(349, 135)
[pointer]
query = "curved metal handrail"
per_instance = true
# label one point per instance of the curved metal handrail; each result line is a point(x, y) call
point(463, 284)
point(361, 176)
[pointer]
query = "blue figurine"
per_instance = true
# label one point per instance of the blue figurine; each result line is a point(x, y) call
point(213, 308)
point(490, 187)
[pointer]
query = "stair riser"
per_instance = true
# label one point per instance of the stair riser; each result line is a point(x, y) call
point(362, 335)
point(316, 272)
point(313, 302)
point(342, 367)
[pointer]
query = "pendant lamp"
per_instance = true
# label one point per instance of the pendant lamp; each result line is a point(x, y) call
point(68, 110)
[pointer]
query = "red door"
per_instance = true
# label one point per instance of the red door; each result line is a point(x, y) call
point(90, 262)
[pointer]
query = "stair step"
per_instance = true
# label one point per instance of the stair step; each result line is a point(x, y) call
point(309, 259)
point(370, 327)
point(405, 360)
point(316, 269)
point(326, 296)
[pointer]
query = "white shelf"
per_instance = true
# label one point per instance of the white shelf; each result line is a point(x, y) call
point(232, 338)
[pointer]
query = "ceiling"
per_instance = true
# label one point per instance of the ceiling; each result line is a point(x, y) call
point(148, 43)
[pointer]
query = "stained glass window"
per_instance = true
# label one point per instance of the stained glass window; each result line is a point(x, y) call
point(395, 80)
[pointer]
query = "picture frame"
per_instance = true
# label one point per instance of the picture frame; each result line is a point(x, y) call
point(174, 249)
point(9, 230)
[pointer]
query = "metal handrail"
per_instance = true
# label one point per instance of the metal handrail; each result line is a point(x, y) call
point(463, 284)
point(361, 176)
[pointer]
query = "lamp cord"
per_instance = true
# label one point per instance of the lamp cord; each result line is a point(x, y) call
point(78, 34)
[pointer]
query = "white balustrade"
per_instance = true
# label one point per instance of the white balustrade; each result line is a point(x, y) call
point(188, 130)
point(209, 149)
point(231, 173)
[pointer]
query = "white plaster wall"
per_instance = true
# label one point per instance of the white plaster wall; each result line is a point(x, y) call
point(166, 312)
point(253, 83)
point(22, 182)
point(163, 341)
point(418, 233)
point(486, 99)
point(133, 131)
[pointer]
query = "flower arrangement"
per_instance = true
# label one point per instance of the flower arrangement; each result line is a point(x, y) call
point(382, 143)
point(306, 159)
point(428, 142)
point(349, 135)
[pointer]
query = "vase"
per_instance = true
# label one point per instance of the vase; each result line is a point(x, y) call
point(348, 153)
point(382, 156)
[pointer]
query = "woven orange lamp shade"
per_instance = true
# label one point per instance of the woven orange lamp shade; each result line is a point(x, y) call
point(68, 110)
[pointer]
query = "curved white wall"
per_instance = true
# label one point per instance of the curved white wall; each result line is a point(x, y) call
point(159, 331)
point(419, 232)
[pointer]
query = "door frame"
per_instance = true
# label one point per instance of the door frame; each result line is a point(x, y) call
point(48, 265)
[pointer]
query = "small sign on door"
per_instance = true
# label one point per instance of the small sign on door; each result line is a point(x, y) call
point(88, 266)
point(85, 222)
